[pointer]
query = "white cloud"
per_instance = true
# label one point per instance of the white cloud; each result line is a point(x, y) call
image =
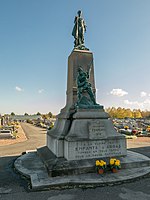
point(118, 92)
point(133, 103)
point(40, 91)
point(143, 94)
point(19, 89)
point(147, 101)
point(142, 105)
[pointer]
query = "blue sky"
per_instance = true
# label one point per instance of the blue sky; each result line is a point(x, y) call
point(36, 40)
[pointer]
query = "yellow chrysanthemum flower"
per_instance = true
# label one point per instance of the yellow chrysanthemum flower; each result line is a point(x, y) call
point(97, 163)
point(117, 162)
point(112, 161)
point(102, 162)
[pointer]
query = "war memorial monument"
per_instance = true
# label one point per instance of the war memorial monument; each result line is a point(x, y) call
point(83, 129)
point(83, 132)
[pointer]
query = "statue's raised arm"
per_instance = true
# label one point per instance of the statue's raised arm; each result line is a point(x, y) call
point(78, 31)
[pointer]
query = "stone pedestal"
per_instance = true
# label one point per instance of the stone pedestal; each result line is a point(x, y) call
point(76, 59)
point(55, 137)
point(85, 131)
point(92, 135)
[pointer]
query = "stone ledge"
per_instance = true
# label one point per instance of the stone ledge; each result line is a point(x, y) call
point(31, 166)
point(60, 166)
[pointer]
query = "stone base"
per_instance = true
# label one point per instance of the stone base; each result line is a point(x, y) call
point(56, 145)
point(49, 173)
point(55, 137)
point(92, 135)
point(60, 166)
point(88, 134)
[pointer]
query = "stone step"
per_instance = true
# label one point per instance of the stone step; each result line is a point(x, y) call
point(60, 166)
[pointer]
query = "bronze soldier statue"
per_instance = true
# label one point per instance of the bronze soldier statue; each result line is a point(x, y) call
point(78, 31)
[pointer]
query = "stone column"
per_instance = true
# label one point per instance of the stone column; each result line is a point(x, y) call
point(55, 137)
point(78, 58)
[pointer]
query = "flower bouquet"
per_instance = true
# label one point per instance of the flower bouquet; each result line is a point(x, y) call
point(114, 165)
point(100, 166)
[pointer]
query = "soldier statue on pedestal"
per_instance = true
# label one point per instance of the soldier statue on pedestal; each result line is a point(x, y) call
point(78, 32)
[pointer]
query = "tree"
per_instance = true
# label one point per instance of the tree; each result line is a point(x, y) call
point(25, 113)
point(137, 113)
point(112, 112)
point(38, 113)
point(145, 114)
point(128, 113)
point(50, 115)
point(44, 116)
point(120, 113)
point(12, 114)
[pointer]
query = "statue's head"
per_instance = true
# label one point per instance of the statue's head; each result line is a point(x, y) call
point(79, 12)
point(80, 70)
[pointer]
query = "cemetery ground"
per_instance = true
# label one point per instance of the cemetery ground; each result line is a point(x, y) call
point(16, 187)
point(31, 138)
point(20, 137)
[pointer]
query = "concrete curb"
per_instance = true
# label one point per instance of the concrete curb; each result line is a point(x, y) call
point(31, 166)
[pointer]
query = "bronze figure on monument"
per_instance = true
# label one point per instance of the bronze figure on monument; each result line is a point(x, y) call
point(78, 31)
point(83, 85)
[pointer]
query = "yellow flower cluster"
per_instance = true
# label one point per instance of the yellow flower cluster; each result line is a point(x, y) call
point(117, 162)
point(114, 161)
point(100, 163)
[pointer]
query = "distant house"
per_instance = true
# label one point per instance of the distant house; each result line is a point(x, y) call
point(23, 118)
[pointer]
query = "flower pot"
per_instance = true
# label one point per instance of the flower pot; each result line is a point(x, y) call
point(100, 171)
point(114, 170)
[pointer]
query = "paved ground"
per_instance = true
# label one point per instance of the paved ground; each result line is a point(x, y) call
point(13, 187)
point(138, 142)
point(36, 138)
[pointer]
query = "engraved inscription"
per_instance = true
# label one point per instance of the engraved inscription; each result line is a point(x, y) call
point(97, 130)
point(96, 149)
